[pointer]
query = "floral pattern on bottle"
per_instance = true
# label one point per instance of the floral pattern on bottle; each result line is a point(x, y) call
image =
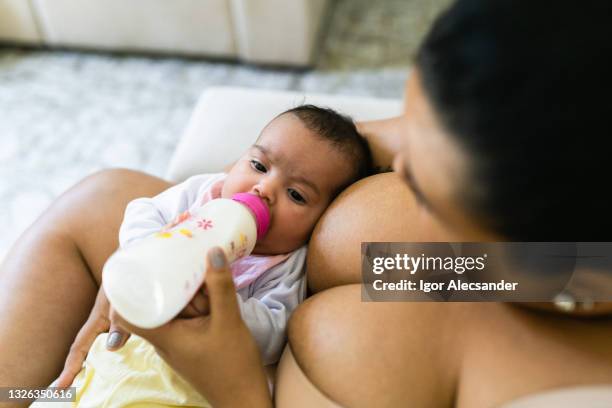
point(243, 242)
point(186, 232)
point(205, 224)
point(165, 231)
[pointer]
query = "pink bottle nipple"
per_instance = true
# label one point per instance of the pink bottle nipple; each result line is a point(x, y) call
point(258, 208)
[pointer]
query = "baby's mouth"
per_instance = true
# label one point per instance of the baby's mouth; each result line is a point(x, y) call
point(260, 208)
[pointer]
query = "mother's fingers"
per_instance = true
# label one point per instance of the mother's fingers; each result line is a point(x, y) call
point(94, 325)
point(117, 336)
point(165, 337)
point(119, 321)
point(220, 287)
point(188, 312)
point(201, 303)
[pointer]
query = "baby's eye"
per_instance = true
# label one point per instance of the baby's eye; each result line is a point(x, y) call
point(258, 166)
point(295, 196)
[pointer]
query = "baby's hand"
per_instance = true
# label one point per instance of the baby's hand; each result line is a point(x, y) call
point(199, 305)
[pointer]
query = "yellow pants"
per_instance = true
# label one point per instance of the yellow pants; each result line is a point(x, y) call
point(135, 377)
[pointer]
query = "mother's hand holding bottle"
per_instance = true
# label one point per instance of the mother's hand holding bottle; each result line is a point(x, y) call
point(216, 353)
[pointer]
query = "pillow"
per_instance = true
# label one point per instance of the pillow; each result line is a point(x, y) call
point(226, 121)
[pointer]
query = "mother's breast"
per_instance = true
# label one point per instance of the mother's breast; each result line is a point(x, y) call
point(378, 208)
point(353, 353)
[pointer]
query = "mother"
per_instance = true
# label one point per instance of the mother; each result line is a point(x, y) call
point(502, 139)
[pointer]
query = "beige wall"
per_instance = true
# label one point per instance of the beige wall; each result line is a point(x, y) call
point(259, 31)
point(277, 31)
point(177, 26)
point(17, 23)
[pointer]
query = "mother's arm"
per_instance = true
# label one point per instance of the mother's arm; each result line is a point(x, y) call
point(49, 279)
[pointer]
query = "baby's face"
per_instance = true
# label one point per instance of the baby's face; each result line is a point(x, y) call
point(296, 173)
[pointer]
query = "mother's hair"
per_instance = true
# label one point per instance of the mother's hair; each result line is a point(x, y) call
point(528, 99)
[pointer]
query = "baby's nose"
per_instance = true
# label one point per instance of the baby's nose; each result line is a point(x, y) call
point(262, 193)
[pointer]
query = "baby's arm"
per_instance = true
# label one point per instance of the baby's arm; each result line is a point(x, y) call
point(145, 216)
point(272, 299)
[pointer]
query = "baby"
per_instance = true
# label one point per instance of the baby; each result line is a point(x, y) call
point(302, 159)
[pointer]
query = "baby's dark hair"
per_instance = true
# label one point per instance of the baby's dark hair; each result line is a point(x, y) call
point(341, 132)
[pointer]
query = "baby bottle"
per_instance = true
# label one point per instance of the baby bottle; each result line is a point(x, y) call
point(149, 282)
